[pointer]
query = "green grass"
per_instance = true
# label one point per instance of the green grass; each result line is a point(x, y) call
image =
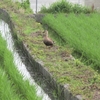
point(7, 88)
point(80, 31)
point(12, 86)
point(63, 6)
point(82, 79)
point(21, 17)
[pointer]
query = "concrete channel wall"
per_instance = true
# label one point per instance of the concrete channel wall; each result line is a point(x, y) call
point(62, 90)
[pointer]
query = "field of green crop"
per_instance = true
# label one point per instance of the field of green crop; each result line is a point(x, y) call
point(80, 31)
point(12, 85)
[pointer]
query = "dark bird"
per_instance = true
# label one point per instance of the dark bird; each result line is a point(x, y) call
point(47, 41)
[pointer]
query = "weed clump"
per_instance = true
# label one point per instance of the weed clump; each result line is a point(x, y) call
point(64, 6)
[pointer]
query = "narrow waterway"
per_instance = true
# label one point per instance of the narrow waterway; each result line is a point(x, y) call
point(5, 33)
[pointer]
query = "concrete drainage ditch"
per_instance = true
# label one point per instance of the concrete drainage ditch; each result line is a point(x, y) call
point(37, 70)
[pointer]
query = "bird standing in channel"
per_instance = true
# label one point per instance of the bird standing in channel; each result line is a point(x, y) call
point(47, 41)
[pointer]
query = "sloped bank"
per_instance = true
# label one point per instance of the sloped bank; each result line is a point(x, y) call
point(37, 66)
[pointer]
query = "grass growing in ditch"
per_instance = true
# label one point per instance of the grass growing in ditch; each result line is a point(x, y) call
point(7, 88)
point(20, 90)
point(82, 79)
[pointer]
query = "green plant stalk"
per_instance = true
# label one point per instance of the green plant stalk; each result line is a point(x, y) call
point(7, 88)
point(28, 91)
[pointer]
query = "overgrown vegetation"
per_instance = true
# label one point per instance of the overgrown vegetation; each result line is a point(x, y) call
point(21, 17)
point(7, 88)
point(25, 4)
point(82, 80)
point(80, 31)
point(63, 6)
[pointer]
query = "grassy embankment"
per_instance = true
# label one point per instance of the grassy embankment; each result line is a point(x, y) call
point(79, 31)
point(70, 72)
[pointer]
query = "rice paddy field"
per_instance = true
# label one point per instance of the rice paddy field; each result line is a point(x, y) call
point(12, 85)
point(80, 31)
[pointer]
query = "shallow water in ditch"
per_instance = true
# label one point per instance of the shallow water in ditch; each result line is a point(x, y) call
point(5, 33)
